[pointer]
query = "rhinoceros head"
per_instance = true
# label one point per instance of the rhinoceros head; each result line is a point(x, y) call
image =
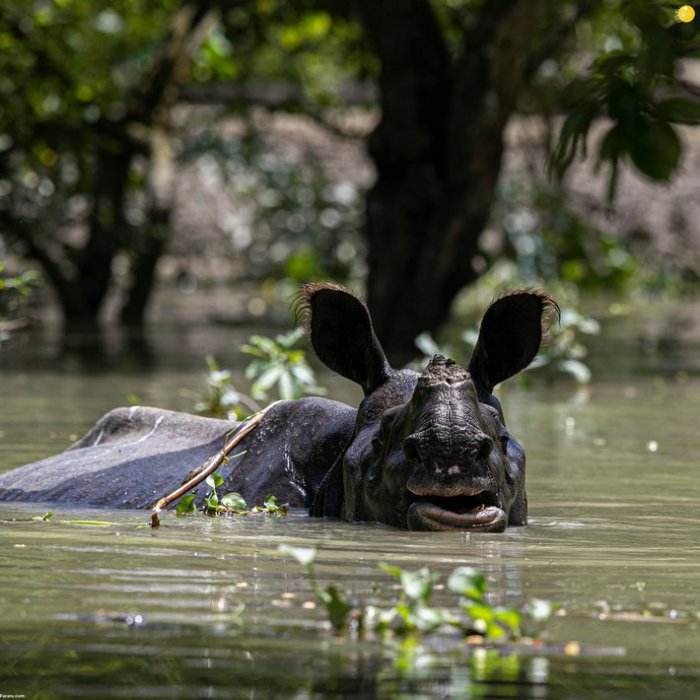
point(430, 450)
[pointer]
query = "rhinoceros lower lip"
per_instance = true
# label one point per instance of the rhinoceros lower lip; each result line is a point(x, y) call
point(458, 513)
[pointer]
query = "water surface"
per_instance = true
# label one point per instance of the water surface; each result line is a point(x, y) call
point(209, 608)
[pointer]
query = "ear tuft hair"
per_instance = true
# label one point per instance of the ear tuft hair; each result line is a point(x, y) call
point(300, 304)
point(339, 327)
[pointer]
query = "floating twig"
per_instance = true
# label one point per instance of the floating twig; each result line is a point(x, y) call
point(212, 464)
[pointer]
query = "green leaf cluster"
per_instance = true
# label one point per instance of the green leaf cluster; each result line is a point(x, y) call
point(413, 614)
point(221, 399)
point(14, 294)
point(278, 364)
point(635, 85)
point(229, 504)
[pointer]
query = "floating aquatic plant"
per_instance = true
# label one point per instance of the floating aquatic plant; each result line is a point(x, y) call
point(413, 612)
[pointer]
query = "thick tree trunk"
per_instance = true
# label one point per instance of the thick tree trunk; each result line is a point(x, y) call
point(107, 233)
point(437, 150)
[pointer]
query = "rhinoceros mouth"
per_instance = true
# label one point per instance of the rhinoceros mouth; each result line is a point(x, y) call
point(456, 513)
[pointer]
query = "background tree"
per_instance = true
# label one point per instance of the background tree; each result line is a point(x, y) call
point(452, 76)
point(87, 94)
point(89, 88)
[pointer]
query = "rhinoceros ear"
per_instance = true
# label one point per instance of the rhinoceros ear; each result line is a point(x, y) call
point(342, 336)
point(510, 336)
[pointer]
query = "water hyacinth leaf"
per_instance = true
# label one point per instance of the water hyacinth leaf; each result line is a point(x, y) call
point(418, 585)
point(211, 502)
point(303, 555)
point(468, 581)
point(215, 480)
point(394, 571)
point(478, 611)
point(186, 505)
point(234, 501)
point(428, 619)
point(337, 606)
point(510, 617)
point(270, 501)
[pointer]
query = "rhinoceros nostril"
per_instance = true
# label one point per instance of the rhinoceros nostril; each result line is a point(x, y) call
point(485, 447)
point(411, 450)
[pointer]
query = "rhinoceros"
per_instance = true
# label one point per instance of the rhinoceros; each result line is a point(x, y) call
point(423, 451)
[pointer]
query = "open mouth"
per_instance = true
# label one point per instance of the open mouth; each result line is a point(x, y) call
point(456, 513)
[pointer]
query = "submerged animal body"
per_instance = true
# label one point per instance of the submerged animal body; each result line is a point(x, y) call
point(423, 451)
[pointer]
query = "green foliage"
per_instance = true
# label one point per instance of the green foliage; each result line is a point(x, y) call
point(563, 351)
point(276, 363)
point(186, 505)
point(412, 613)
point(67, 68)
point(229, 504)
point(14, 293)
point(221, 399)
point(635, 84)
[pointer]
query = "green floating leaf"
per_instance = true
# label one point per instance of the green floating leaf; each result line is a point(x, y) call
point(468, 581)
point(186, 505)
point(211, 503)
point(234, 501)
point(510, 618)
point(304, 555)
point(43, 518)
point(90, 523)
point(418, 585)
point(215, 480)
point(337, 606)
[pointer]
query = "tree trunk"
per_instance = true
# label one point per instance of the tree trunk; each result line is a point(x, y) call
point(437, 151)
point(148, 249)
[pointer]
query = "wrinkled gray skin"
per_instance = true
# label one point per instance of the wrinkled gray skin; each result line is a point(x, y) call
point(423, 451)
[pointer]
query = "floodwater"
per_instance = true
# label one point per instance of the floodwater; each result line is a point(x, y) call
point(209, 608)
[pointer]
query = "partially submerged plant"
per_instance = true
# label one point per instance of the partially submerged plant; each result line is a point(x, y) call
point(221, 399)
point(412, 613)
point(277, 363)
point(229, 504)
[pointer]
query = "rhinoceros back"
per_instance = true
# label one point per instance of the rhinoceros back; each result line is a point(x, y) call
point(131, 457)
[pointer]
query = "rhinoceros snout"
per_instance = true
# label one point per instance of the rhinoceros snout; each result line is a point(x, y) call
point(455, 454)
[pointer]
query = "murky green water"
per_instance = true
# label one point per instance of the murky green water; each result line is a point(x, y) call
point(208, 608)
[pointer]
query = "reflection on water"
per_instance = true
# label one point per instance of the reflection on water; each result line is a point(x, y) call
point(208, 608)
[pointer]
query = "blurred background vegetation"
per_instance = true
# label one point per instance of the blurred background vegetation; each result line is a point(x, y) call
point(408, 148)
